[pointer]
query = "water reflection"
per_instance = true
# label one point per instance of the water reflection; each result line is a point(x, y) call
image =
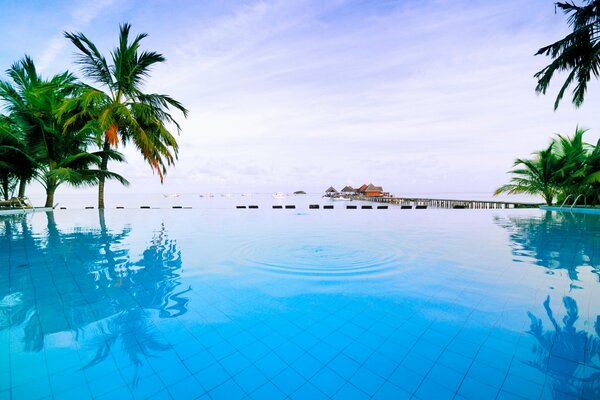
point(569, 357)
point(84, 281)
point(556, 241)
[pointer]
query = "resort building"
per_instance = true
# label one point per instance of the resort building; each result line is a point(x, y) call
point(348, 190)
point(331, 192)
point(373, 191)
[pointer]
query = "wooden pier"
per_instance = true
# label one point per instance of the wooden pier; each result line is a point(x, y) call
point(446, 203)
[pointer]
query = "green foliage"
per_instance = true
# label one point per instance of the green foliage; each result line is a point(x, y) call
point(568, 167)
point(51, 125)
point(577, 54)
point(49, 150)
point(118, 109)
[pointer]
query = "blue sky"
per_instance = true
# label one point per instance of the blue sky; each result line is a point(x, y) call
point(417, 96)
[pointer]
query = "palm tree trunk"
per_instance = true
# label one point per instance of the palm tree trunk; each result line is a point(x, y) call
point(5, 186)
point(103, 167)
point(50, 196)
point(22, 186)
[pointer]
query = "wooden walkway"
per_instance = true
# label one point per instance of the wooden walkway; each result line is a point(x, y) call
point(447, 203)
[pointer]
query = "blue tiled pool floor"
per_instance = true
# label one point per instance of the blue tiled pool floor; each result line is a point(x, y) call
point(486, 305)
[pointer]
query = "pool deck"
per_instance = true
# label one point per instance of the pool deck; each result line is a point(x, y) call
point(13, 211)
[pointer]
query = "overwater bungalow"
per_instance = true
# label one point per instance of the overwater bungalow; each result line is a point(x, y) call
point(331, 192)
point(348, 190)
point(373, 191)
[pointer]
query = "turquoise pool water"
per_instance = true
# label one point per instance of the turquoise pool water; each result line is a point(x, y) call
point(300, 304)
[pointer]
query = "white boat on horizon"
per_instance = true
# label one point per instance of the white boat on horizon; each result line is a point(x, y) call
point(279, 195)
point(207, 195)
point(170, 195)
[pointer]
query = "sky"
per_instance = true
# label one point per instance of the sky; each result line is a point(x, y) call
point(420, 97)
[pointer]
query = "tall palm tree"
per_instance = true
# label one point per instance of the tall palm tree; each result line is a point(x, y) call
point(578, 53)
point(120, 110)
point(536, 176)
point(60, 154)
point(16, 167)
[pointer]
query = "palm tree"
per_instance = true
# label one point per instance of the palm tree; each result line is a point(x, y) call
point(578, 53)
point(119, 109)
point(536, 176)
point(60, 154)
point(16, 167)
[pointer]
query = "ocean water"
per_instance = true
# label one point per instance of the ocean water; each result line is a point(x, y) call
point(220, 303)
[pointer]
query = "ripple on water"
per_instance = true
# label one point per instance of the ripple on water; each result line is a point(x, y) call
point(320, 256)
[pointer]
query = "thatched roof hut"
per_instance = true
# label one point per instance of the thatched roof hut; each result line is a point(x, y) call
point(348, 190)
point(331, 190)
point(373, 191)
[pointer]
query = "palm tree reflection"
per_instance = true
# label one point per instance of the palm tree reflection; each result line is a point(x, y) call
point(556, 241)
point(91, 285)
point(569, 357)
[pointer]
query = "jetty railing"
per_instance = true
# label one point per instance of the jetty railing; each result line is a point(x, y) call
point(447, 203)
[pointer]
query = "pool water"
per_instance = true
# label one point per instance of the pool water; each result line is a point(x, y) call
point(300, 304)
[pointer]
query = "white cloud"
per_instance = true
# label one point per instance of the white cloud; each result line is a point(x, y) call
point(415, 96)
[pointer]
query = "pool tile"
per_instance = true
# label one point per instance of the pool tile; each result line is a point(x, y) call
point(445, 376)
point(371, 339)
point(307, 365)
point(366, 381)
point(323, 352)
point(338, 341)
point(474, 389)
point(502, 395)
point(464, 348)
point(494, 358)
point(381, 365)
point(66, 380)
point(80, 393)
point(186, 389)
point(406, 379)
point(33, 390)
point(235, 363)
point(222, 350)
point(163, 360)
point(199, 362)
point(308, 391)
point(119, 393)
point(271, 365)
point(350, 392)
point(486, 374)
point(250, 379)
point(212, 376)
point(391, 392)
point(417, 363)
point(306, 341)
point(268, 391)
point(274, 340)
point(148, 386)
point(288, 381)
point(344, 366)
point(428, 389)
point(393, 351)
point(289, 352)
point(227, 391)
point(255, 351)
point(327, 381)
point(358, 352)
point(517, 385)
